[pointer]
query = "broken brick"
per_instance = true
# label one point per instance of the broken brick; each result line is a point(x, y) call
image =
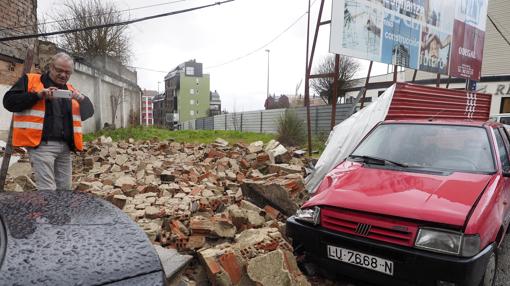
point(231, 265)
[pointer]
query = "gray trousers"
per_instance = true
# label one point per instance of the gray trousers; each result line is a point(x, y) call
point(52, 165)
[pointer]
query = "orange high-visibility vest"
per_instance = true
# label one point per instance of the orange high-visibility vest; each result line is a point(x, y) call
point(28, 124)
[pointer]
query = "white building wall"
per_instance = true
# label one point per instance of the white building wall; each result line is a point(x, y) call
point(5, 116)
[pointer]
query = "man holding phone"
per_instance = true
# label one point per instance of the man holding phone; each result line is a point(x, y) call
point(48, 115)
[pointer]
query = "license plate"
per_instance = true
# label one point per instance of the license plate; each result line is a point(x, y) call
point(361, 259)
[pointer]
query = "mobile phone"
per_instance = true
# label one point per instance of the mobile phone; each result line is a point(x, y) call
point(62, 93)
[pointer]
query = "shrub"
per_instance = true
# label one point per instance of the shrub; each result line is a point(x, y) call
point(291, 131)
point(319, 142)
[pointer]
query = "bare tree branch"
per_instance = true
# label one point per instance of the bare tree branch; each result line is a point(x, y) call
point(108, 41)
point(324, 86)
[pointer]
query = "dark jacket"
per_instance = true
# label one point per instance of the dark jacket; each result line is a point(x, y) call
point(58, 118)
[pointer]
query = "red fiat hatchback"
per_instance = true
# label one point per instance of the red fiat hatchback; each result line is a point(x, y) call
point(418, 202)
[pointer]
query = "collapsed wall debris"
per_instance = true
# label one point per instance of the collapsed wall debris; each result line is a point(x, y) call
point(224, 204)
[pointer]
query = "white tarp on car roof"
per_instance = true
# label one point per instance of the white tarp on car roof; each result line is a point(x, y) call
point(346, 136)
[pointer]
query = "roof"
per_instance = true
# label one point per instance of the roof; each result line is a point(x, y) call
point(412, 101)
point(477, 123)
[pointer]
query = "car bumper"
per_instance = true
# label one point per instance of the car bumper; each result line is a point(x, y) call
point(411, 266)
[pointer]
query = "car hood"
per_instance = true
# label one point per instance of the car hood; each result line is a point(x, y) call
point(445, 199)
point(69, 238)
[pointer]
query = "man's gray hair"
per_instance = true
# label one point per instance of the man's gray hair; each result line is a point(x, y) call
point(62, 55)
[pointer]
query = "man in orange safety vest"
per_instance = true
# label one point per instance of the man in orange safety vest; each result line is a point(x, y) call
point(50, 127)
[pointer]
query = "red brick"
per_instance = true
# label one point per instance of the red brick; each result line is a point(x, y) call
point(196, 242)
point(196, 191)
point(201, 225)
point(272, 212)
point(212, 267)
point(231, 265)
point(245, 164)
point(215, 154)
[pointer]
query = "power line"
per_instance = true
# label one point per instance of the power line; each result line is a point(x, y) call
point(263, 46)
point(123, 23)
point(241, 57)
point(96, 15)
point(147, 69)
point(499, 31)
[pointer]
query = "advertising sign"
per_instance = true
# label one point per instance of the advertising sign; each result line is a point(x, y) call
point(437, 36)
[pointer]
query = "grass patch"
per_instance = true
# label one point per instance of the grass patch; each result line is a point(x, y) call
point(188, 136)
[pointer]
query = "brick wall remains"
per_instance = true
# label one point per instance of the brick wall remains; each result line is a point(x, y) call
point(17, 17)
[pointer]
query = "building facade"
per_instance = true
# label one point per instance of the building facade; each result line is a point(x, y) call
point(215, 104)
point(18, 17)
point(187, 93)
point(147, 118)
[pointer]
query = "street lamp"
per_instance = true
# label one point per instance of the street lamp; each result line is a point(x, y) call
point(267, 72)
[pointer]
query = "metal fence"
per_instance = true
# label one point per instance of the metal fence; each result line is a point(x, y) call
point(266, 121)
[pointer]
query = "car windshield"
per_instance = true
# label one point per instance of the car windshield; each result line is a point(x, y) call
point(434, 147)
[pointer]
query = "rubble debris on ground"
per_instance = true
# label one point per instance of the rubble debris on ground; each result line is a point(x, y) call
point(19, 177)
point(224, 204)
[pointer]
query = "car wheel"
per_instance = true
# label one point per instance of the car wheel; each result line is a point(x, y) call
point(489, 278)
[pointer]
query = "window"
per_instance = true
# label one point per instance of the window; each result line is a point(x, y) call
point(192, 112)
point(190, 71)
point(191, 91)
point(192, 102)
point(505, 105)
point(198, 81)
point(503, 153)
point(197, 101)
point(431, 147)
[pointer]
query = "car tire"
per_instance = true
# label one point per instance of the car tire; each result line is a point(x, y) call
point(489, 278)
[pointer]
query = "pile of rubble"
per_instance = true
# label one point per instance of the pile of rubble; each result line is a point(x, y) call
point(224, 204)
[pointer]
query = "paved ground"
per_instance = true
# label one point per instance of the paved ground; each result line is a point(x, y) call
point(503, 278)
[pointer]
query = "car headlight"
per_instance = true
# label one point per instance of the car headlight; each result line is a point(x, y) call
point(449, 242)
point(309, 215)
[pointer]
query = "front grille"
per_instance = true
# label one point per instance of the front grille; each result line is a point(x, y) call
point(378, 228)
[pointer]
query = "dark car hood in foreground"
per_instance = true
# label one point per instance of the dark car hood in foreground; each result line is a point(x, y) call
point(70, 238)
point(445, 199)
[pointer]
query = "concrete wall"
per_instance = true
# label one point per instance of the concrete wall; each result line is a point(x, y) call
point(496, 55)
point(100, 85)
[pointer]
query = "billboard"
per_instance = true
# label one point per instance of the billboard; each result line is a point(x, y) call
point(437, 36)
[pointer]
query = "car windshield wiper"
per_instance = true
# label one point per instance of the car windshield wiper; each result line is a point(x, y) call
point(377, 160)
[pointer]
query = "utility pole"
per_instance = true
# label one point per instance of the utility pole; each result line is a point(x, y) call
point(267, 50)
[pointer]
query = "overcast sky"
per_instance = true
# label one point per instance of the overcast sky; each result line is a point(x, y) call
point(222, 34)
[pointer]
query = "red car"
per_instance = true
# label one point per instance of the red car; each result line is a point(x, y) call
point(418, 202)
